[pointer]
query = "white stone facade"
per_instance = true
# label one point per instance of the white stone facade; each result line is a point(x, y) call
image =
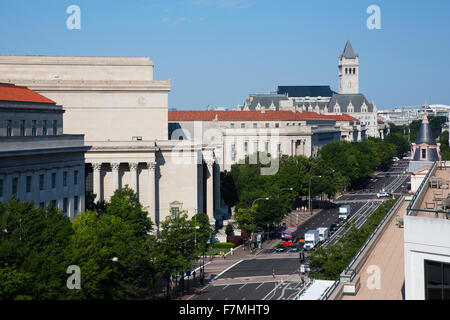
point(122, 111)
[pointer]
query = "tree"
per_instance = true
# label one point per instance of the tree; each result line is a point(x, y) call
point(33, 243)
point(245, 218)
point(97, 239)
point(125, 204)
point(175, 251)
point(400, 141)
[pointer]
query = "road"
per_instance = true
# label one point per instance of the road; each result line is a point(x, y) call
point(252, 279)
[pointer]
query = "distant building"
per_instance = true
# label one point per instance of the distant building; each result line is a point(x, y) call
point(424, 152)
point(37, 161)
point(239, 134)
point(323, 100)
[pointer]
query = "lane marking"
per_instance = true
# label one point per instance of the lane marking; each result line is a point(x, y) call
point(242, 286)
point(216, 277)
point(260, 285)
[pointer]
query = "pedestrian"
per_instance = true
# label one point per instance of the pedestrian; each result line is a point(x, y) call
point(232, 252)
point(273, 273)
point(193, 274)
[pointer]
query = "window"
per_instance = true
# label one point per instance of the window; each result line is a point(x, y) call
point(65, 203)
point(424, 153)
point(29, 184)
point(75, 205)
point(22, 128)
point(266, 146)
point(8, 128)
point(54, 204)
point(1, 188)
point(54, 180)
point(232, 125)
point(267, 125)
point(233, 152)
point(55, 127)
point(15, 183)
point(33, 128)
point(437, 280)
point(44, 128)
point(174, 212)
point(277, 125)
point(41, 182)
point(245, 146)
point(75, 177)
point(279, 149)
point(65, 179)
point(242, 125)
point(255, 125)
point(140, 138)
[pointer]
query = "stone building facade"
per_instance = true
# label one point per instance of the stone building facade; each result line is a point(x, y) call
point(123, 112)
point(37, 161)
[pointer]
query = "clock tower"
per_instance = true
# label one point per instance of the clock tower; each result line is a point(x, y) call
point(348, 71)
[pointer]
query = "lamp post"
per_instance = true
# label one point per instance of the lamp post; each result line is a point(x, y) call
point(285, 189)
point(259, 199)
point(266, 199)
point(310, 209)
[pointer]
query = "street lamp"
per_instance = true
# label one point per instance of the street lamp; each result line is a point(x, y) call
point(285, 189)
point(310, 209)
point(260, 199)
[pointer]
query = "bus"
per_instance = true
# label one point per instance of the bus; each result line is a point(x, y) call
point(288, 236)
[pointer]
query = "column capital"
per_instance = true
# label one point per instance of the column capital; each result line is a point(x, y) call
point(96, 166)
point(151, 165)
point(115, 166)
point(133, 165)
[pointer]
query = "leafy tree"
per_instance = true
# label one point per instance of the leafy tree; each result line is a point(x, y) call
point(245, 218)
point(33, 242)
point(125, 204)
point(97, 239)
point(400, 141)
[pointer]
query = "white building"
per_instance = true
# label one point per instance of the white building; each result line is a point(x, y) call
point(123, 111)
point(236, 135)
point(321, 99)
point(37, 161)
point(427, 242)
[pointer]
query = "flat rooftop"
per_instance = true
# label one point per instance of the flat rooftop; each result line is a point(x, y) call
point(388, 256)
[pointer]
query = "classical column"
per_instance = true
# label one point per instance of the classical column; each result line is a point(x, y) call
point(152, 190)
point(115, 175)
point(217, 187)
point(210, 191)
point(133, 172)
point(294, 149)
point(359, 135)
point(96, 167)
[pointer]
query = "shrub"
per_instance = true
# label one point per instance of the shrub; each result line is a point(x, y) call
point(223, 245)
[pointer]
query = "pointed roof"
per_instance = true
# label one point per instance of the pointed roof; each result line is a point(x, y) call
point(425, 135)
point(349, 53)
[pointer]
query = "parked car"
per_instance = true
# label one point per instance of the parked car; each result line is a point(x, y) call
point(294, 248)
point(280, 248)
point(333, 227)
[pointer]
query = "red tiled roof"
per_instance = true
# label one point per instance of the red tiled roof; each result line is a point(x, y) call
point(253, 116)
point(11, 92)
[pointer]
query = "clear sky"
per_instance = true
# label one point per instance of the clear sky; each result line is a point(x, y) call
point(218, 51)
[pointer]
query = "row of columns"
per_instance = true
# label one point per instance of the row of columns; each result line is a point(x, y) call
point(294, 147)
point(213, 189)
point(151, 166)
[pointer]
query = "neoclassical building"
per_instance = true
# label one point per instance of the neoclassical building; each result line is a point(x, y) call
point(37, 161)
point(238, 134)
point(123, 113)
point(323, 100)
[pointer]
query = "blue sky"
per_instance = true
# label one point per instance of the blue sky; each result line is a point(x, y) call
point(218, 51)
